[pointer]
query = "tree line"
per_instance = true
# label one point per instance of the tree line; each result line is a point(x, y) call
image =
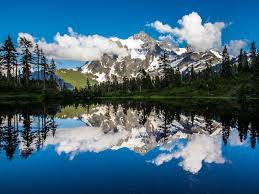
point(18, 64)
point(169, 77)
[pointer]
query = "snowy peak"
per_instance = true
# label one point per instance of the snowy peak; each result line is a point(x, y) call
point(144, 37)
point(144, 53)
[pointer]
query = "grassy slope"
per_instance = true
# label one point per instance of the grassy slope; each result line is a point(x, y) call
point(76, 78)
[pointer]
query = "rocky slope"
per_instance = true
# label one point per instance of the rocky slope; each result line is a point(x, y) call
point(144, 53)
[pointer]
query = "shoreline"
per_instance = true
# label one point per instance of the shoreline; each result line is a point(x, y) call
point(36, 97)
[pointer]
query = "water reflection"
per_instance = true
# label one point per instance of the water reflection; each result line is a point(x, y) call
point(25, 130)
point(193, 135)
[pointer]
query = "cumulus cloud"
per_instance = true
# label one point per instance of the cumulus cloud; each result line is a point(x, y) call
point(201, 36)
point(73, 141)
point(201, 148)
point(234, 46)
point(160, 27)
point(167, 38)
point(77, 47)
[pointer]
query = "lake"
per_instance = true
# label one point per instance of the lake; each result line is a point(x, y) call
point(129, 147)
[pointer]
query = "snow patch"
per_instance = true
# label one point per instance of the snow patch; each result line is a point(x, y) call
point(100, 77)
point(180, 51)
point(216, 54)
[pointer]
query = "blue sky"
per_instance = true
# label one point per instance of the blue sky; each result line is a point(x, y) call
point(124, 18)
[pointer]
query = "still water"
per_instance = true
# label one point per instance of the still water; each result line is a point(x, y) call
point(129, 147)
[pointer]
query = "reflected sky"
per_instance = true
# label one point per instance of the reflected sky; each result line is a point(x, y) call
point(150, 140)
point(194, 142)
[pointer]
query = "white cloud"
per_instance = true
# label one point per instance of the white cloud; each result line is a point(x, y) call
point(160, 27)
point(234, 46)
point(77, 47)
point(201, 36)
point(167, 38)
point(201, 148)
point(73, 141)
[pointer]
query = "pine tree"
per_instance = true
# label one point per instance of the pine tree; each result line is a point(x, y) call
point(52, 70)
point(1, 66)
point(256, 76)
point(125, 84)
point(208, 71)
point(253, 53)
point(141, 76)
point(178, 77)
point(37, 53)
point(157, 82)
point(226, 64)
point(8, 55)
point(88, 84)
point(245, 64)
point(44, 65)
point(148, 82)
point(26, 58)
point(192, 74)
point(164, 64)
point(240, 61)
point(16, 70)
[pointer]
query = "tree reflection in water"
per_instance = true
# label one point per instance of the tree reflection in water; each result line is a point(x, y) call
point(25, 129)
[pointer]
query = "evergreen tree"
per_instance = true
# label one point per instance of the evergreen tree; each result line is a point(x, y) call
point(164, 64)
point(115, 82)
point(26, 58)
point(245, 64)
point(1, 66)
point(141, 76)
point(16, 70)
point(178, 77)
point(256, 76)
point(208, 71)
point(226, 64)
point(8, 56)
point(240, 61)
point(125, 84)
point(52, 70)
point(253, 53)
point(44, 65)
point(37, 53)
point(192, 74)
point(157, 82)
point(148, 82)
point(88, 85)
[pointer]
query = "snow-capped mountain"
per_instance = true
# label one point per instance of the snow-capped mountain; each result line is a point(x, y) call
point(144, 53)
point(116, 128)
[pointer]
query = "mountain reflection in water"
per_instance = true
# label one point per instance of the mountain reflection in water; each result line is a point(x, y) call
point(194, 135)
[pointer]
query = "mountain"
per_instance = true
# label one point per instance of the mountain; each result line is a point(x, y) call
point(144, 53)
point(109, 127)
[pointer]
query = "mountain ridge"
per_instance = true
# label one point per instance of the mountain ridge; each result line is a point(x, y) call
point(144, 53)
